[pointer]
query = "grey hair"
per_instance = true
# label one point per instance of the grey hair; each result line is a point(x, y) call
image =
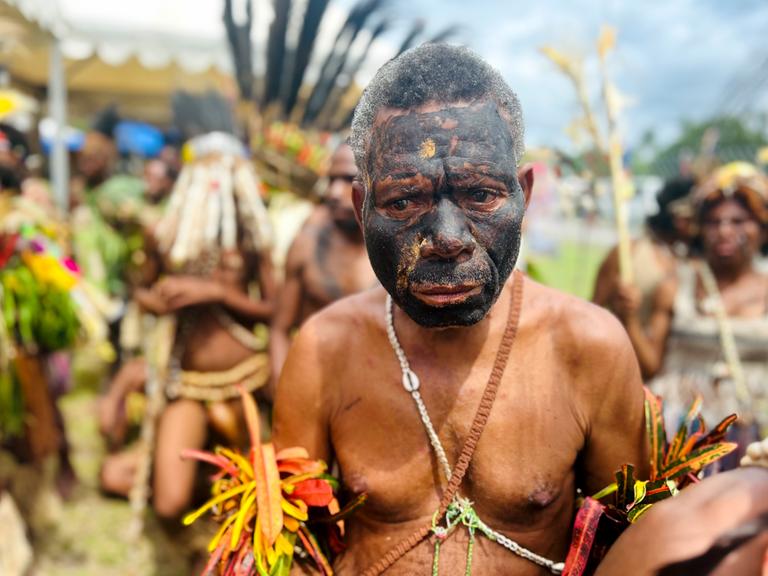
point(433, 73)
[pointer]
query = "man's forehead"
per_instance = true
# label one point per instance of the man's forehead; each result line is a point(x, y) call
point(474, 130)
point(343, 161)
point(430, 113)
point(387, 112)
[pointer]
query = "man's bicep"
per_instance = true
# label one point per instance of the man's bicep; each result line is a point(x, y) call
point(617, 427)
point(301, 408)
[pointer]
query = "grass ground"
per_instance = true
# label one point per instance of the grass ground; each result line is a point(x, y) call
point(89, 536)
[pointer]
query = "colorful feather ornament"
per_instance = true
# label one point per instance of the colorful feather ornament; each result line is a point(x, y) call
point(673, 466)
point(263, 501)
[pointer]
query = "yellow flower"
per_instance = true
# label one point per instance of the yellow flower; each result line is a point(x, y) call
point(48, 270)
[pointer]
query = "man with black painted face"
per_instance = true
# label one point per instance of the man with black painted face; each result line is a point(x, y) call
point(326, 261)
point(456, 368)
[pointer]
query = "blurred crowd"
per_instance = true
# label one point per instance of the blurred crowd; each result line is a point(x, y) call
point(694, 299)
point(160, 273)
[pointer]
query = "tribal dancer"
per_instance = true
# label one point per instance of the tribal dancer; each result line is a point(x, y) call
point(654, 254)
point(326, 261)
point(468, 402)
point(212, 258)
point(708, 330)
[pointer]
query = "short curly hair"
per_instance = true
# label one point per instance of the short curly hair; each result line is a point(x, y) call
point(433, 73)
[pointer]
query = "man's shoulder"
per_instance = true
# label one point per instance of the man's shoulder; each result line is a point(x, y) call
point(306, 238)
point(345, 322)
point(575, 324)
point(317, 219)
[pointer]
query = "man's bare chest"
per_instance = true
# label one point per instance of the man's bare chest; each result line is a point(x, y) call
point(522, 472)
point(338, 271)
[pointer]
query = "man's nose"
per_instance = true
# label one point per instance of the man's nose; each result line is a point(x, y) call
point(450, 238)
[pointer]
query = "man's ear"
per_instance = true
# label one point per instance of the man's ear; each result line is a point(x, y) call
point(358, 196)
point(525, 178)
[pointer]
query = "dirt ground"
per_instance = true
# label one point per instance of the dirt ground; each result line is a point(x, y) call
point(88, 535)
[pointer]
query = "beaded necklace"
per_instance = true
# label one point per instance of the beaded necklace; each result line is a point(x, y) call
point(460, 511)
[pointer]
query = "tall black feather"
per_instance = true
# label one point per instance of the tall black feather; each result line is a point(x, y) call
point(312, 19)
point(336, 96)
point(338, 60)
point(410, 39)
point(239, 38)
point(276, 50)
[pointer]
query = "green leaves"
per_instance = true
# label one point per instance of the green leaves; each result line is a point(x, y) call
point(692, 447)
point(694, 461)
point(672, 467)
point(625, 483)
point(657, 436)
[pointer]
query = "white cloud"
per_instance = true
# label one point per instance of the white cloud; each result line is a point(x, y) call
point(674, 59)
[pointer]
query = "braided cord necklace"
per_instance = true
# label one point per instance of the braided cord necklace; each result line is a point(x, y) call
point(460, 511)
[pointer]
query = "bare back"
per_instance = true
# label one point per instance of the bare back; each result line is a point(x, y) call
point(567, 415)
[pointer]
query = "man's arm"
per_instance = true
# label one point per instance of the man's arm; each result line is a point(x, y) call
point(303, 399)
point(650, 341)
point(288, 307)
point(615, 415)
point(242, 304)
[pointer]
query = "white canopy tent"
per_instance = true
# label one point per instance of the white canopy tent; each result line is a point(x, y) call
point(142, 46)
point(139, 47)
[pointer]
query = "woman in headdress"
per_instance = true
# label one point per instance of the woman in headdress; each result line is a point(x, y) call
point(708, 330)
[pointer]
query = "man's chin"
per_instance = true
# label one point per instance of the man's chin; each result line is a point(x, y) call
point(347, 225)
point(465, 314)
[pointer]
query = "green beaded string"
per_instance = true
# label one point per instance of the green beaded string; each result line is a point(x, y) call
point(470, 548)
point(459, 512)
point(436, 559)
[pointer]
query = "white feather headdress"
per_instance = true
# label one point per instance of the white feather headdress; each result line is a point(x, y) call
point(215, 204)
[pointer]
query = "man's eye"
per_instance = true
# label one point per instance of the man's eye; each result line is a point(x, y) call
point(480, 196)
point(400, 204)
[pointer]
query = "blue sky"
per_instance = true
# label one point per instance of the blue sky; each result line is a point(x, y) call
point(679, 59)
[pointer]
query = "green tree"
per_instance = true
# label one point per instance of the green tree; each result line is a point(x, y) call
point(727, 138)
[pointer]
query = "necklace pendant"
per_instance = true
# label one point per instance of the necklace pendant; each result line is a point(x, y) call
point(410, 381)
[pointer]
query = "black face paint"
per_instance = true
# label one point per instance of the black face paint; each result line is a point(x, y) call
point(443, 211)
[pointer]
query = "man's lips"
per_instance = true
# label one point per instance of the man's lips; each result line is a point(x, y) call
point(444, 295)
